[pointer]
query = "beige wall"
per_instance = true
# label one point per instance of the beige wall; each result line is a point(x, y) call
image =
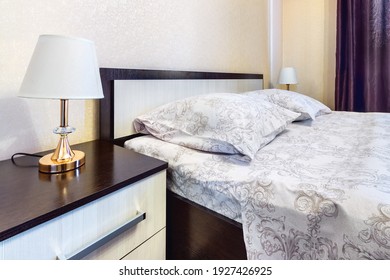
point(330, 52)
point(210, 35)
point(275, 41)
point(309, 45)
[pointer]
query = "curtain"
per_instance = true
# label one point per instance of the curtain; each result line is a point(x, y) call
point(363, 56)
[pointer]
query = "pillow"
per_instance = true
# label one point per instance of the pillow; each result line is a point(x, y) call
point(308, 107)
point(227, 123)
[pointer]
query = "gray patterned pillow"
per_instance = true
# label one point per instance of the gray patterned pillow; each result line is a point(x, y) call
point(222, 123)
point(308, 107)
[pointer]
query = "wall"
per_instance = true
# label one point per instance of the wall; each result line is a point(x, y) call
point(330, 52)
point(209, 35)
point(309, 45)
point(275, 37)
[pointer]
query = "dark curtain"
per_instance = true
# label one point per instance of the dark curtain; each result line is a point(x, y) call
point(363, 56)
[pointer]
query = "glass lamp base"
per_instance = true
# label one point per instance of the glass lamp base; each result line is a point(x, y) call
point(47, 165)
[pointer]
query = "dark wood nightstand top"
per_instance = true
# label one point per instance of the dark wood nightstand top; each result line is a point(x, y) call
point(29, 198)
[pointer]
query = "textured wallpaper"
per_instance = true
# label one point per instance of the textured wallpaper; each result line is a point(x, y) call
point(209, 35)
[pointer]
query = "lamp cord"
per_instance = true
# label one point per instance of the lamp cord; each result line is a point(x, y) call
point(22, 154)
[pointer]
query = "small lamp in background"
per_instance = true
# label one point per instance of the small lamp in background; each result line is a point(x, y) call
point(62, 68)
point(288, 77)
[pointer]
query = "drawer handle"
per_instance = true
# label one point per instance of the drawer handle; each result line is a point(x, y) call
point(106, 238)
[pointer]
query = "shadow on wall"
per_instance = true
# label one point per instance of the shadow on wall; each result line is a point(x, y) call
point(16, 128)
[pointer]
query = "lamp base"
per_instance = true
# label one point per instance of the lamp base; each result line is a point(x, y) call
point(47, 165)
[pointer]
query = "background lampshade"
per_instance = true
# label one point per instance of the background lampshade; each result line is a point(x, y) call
point(62, 68)
point(288, 76)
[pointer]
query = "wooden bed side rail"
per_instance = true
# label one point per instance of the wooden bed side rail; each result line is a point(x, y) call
point(188, 239)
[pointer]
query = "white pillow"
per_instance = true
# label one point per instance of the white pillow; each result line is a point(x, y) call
point(308, 107)
point(222, 122)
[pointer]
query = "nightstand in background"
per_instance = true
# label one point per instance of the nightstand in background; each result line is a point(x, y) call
point(113, 207)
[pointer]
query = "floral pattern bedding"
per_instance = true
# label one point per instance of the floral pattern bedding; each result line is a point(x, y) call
point(319, 190)
point(226, 123)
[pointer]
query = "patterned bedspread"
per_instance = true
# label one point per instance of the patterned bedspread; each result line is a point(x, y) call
point(320, 190)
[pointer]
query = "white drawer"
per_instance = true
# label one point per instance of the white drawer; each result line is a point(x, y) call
point(153, 249)
point(72, 231)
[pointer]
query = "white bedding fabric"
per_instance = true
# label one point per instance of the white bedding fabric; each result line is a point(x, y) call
point(227, 123)
point(320, 190)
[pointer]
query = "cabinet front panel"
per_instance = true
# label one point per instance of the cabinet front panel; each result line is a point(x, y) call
point(64, 236)
point(153, 249)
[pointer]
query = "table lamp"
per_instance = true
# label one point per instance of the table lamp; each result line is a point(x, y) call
point(288, 77)
point(62, 68)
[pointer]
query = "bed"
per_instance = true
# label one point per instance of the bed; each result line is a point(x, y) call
point(319, 189)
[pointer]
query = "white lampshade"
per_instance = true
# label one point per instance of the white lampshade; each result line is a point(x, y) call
point(288, 76)
point(62, 68)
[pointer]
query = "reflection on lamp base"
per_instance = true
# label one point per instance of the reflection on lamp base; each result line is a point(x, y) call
point(47, 165)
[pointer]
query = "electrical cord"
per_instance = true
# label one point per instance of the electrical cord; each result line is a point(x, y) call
point(23, 154)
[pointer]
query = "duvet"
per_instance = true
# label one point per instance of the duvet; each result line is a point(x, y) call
point(319, 190)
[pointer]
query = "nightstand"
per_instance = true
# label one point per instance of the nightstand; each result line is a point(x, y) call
point(113, 207)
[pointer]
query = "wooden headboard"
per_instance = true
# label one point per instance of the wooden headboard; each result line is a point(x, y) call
point(129, 93)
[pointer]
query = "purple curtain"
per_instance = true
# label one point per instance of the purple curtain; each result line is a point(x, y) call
point(363, 56)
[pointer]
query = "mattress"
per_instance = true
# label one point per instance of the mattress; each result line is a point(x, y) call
point(319, 190)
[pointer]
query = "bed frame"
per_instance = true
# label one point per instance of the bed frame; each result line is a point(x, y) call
point(193, 231)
